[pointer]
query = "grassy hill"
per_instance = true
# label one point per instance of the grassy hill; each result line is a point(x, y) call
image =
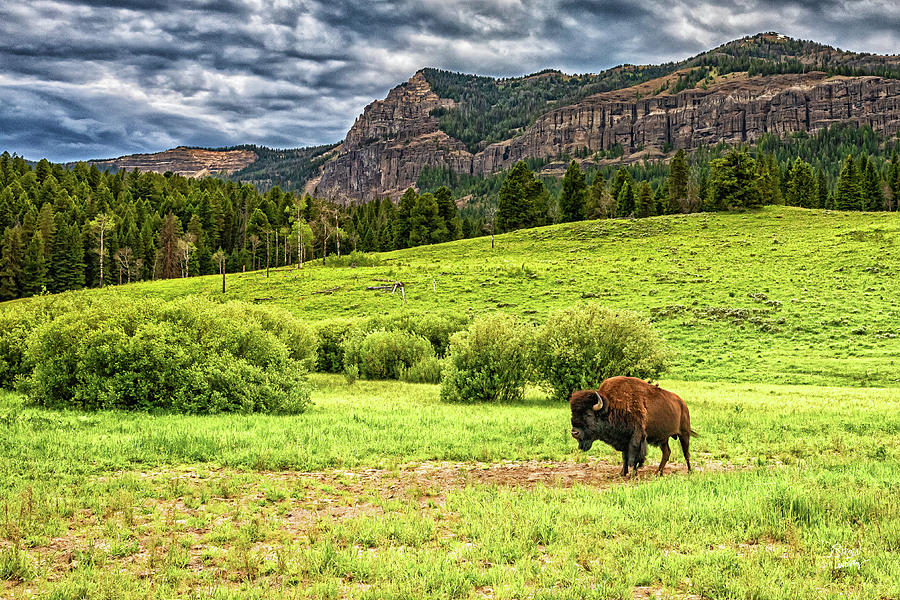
point(381, 490)
point(778, 295)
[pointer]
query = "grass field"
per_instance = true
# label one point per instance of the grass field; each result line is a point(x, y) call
point(778, 295)
point(375, 494)
point(785, 324)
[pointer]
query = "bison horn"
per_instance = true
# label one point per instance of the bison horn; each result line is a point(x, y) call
point(601, 403)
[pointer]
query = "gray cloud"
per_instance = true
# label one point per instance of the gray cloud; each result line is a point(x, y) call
point(91, 78)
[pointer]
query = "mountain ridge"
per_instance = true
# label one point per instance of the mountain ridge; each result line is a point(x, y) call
point(477, 125)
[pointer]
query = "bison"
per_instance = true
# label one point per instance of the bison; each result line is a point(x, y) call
point(628, 413)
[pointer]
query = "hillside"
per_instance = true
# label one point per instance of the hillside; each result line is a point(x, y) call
point(476, 125)
point(779, 295)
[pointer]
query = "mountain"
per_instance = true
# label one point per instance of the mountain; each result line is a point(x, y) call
point(190, 162)
point(288, 168)
point(475, 125)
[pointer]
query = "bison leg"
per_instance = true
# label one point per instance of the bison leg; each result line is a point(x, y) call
point(642, 455)
point(636, 451)
point(685, 443)
point(665, 455)
point(624, 463)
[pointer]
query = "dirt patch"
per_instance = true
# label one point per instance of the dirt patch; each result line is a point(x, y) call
point(649, 593)
point(443, 476)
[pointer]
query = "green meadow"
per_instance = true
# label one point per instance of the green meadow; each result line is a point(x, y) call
point(784, 325)
point(779, 295)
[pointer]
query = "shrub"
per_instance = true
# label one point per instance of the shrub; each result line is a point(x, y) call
point(351, 374)
point(330, 352)
point(488, 362)
point(300, 339)
point(354, 259)
point(384, 354)
point(435, 327)
point(188, 355)
point(579, 347)
point(427, 370)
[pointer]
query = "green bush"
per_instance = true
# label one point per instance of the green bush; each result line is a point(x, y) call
point(18, 320)
point(330, 354)
point(435, 327)
point(351, 374)
point(384, 354)
point(427, 370)
point(577, 348)
point(188, 355)
point(354, 259)
point(300, 339)
point(488, 362)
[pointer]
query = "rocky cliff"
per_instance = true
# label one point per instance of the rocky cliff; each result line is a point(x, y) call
point(385, 150)
point(190, 162)
point(389, 144)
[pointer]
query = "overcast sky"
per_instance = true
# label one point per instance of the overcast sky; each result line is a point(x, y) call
point(89, 79)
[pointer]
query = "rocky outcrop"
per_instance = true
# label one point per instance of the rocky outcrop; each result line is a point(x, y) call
point(190, 162)
point(736, 110)
point(395, 138)
point(389, 144)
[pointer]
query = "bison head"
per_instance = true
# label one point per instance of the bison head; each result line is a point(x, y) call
point(589, 409)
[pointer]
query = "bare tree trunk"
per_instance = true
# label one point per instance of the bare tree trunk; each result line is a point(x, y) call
point(337, 233)
point(101, 255)
point(267, 254)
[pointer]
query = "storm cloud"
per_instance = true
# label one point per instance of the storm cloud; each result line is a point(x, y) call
point(96, 79)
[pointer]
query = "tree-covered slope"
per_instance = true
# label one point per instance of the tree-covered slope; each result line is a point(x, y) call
point(287, 168)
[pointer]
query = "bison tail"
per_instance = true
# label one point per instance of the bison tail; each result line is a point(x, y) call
point(694, 433)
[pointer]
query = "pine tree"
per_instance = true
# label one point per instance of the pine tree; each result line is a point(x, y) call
point(679, 175)
point(75, 259)
point(402, 223)
point(802, 185)
point(821, 189)
point(625, 202)
point(644, 206)
point(522, 201)
point(512, 200)
point(873, 196)
point(573, 197)
point(848, 195)
point(448, 212)
point(733, 182)
point(202, 260)
point(768, 180)
point(622, 176)
point(594, 207)
point(895, 180)
point(387, 214)
point(47, 227)
point(11, 263)
point(34, 269)
point(661, 199)
point(8, 201)
point(426, 225)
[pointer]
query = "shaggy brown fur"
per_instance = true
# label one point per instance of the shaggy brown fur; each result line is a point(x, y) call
point(636, 414)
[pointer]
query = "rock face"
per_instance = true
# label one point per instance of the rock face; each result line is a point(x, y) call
point(394, 138)
point(190, 162)
point(388, 145)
